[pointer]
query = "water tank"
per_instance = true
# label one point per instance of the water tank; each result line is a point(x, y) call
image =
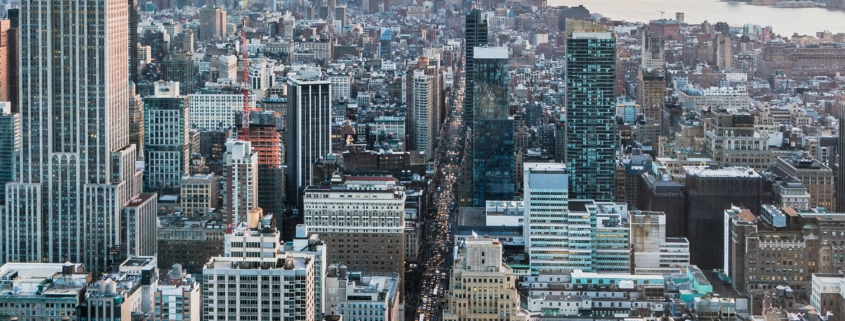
point(780, 290)
point(342, 271)
point(112, 287)
point(176, 271)
point(789, 292)
point(102, 286)
point(332, 270)
point(67, 268)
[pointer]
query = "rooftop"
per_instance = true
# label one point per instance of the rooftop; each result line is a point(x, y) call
point(712, 171)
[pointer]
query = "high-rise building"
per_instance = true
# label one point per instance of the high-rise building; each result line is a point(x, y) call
point(492, 134)
point(180, 68)
point(546, 196)
point(423, 126)
point(590, 110)
point(10, 62)
point(654, 52)
point(240, 179)
point(266, 282)
point(308, 128)
point(139, 225)
point(134, 64)
point(10, 144)
point(166, 139)
point(365, 214)
point(5, 60)
point(479, 265)
point(651, 93)
point(265, 128)
point(212, 23)
point(709, 191)
point(77, 168)
point(476, 36)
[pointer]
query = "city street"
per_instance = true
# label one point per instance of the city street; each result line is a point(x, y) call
point(426, 291)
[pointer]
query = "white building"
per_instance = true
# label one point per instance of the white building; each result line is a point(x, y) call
point(123, 295)
point(257, 279)
point(261, 76)
point(652, 251)
point(355, 296)
point(213, 111)
point(546, 208)
point(227, 67)
point(390, 125)
point(240, 181)
point(422, 111)
point(341, 84)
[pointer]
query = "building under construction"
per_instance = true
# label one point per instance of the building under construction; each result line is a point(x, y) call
point(265, 135)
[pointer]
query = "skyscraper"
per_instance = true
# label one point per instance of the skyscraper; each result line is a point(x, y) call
point(476, 36)
point(77, 167)
point(265, 135)
point(654, 52)
point(590, 110)
point(546, 208)
point(492, 128)
point(134, 65)
point(840, 182)
point(422, 127)
point(10, 143)
point(308, 131)
point(166, 140)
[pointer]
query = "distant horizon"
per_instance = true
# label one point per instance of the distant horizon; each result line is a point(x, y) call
point(784, 21)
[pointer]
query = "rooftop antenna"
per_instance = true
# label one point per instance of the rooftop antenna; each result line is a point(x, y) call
point(661, 13)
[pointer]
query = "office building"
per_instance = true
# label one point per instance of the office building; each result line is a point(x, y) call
point(709, 191)
point(478, 266)
point(840, 179)
point(308, 128)
point(10, 145)
point(42, 291)
point(355, 295)
point(492, 134)
point(476, 36)
point(240, 180)
point(79, 168)
point(6, 60)
point(546, 191)
point(178, 296)
point(138, 217)
point(662, 194)
point(189, 241)
point(212, 111)
point(651, 93)
point(362, 221)
point(590, 111)
point(815, 176)
point(166, 140)
point(198, 194)
point(630, 167)
point(557, 226)
point(265, 281)
point(651, 251)
point(212, 23)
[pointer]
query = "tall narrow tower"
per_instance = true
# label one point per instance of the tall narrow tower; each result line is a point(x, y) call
point(76, 166)
point(590, 111)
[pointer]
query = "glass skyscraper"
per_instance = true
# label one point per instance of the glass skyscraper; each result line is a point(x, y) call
point(590, 111)
point(492, 128)
point(476, 36)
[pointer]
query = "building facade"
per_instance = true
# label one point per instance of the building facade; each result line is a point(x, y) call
point(308, 129)
point(240, 180)
point(78, 167)
point(166, 140)
point(590, 111)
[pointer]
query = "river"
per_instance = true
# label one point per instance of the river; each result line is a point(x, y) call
point(784, 21)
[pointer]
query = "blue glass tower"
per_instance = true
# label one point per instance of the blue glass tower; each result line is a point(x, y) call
point(590, 111)
point(492, 128)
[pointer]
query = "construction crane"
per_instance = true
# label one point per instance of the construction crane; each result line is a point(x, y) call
point(661, 13)
point(245, 122)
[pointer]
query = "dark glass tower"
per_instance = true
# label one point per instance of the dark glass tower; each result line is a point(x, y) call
point(840, 183)
point(590, 111)
point(492, 128)
point(476, 36)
